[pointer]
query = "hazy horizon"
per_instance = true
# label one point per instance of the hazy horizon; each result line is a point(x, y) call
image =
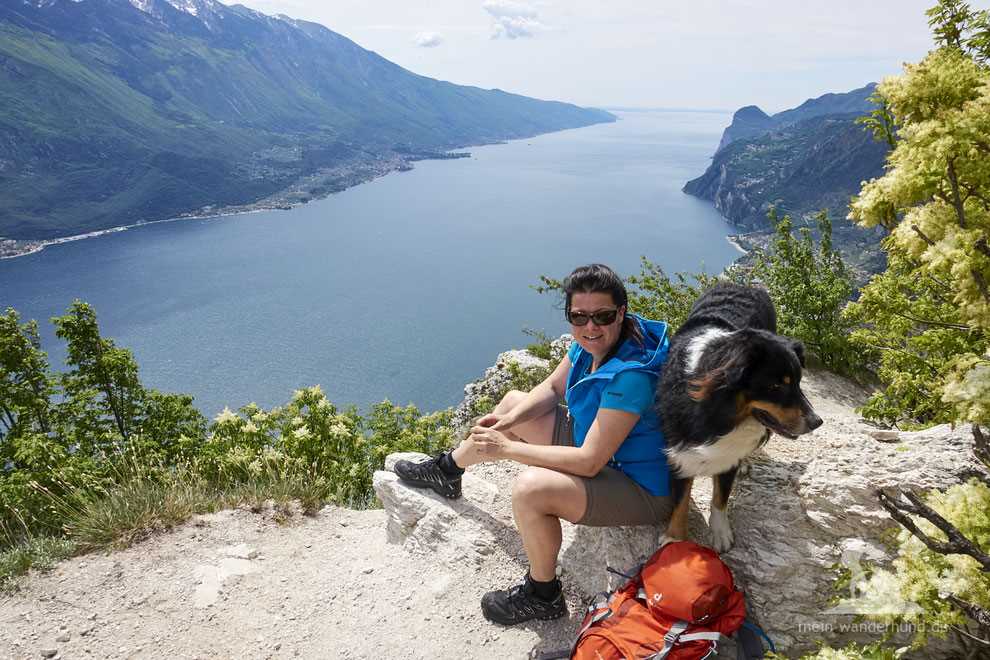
point(706, 55)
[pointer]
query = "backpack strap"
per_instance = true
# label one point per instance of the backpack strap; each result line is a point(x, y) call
point(601, 603)
point(709, 636)
point(669, 640)
point(749, 645)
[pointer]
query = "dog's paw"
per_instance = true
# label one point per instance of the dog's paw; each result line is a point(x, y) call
point(671, 536)
point(722, 537)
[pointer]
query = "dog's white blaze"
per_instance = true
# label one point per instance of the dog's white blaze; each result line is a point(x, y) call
point(696, 347)
point(721, 455)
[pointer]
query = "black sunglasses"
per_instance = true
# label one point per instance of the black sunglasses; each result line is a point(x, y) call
point(601, 317)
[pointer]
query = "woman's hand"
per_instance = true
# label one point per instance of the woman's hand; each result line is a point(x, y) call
point(497, 421)
point(490, 443)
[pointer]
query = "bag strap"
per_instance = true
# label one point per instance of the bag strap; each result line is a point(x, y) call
point(748, 642)
point(601, 603)
point(709, 636)
point(669, 640)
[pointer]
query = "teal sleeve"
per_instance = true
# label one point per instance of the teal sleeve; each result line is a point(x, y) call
point(631, 391)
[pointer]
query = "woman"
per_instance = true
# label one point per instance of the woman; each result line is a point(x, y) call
point(598, 462)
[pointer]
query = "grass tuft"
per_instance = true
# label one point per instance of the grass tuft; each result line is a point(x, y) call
point(39, 553)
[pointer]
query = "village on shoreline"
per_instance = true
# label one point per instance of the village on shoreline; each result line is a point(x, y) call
point(327, 180)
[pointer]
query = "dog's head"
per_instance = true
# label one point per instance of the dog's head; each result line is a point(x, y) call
point(759, 372)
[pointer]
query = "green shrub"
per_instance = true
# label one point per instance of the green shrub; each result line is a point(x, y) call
point(93, 458)
point(542, 347)
point(655, 295)
point(810, 286)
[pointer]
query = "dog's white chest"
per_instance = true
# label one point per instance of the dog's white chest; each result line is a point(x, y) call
point(721, 455)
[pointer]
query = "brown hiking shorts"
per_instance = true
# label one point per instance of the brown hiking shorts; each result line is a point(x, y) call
point(614, 499)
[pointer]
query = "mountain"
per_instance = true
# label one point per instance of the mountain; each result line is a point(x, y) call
point(750, 121)
point(812, 157)
point(123, 111)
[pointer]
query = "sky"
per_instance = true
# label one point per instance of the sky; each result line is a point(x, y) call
point(703, 54)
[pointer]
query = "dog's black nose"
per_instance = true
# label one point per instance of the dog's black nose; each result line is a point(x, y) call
point(814, 421)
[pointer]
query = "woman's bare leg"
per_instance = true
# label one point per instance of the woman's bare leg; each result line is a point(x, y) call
point(540, 498)
point(537, 431)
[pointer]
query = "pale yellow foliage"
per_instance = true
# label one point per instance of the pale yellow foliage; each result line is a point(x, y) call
point(935, 195)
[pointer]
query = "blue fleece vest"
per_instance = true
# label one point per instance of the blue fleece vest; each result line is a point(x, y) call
point(641, 455)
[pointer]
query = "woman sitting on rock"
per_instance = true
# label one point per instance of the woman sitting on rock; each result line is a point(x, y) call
point(599, 461)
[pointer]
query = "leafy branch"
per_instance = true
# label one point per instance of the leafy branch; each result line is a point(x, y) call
point(957, 543)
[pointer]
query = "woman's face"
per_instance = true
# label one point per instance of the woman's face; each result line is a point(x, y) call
point(596, 339)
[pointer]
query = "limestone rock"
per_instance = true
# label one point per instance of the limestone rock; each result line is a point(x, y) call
point(838, 485)
point(885, 436)
point(422, 521)
point(588, 552)
point(239, 551)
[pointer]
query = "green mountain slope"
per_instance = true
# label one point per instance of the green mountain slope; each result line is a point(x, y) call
point(116, 113)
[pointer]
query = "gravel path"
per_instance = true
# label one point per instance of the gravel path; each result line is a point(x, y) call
point(236, 584)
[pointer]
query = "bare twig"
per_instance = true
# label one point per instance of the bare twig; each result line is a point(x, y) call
point(971, 654)
point(974, 612)
point(917, 230)
point(957, 203)
point(935, 324)
point(980, 282)
point(957, 543)
point(913, 356)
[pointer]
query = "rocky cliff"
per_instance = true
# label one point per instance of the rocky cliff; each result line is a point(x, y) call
point(801, 161)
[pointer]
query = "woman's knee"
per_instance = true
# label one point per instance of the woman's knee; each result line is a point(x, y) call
point(531, 486)
point(510, 400)
point(548, 492)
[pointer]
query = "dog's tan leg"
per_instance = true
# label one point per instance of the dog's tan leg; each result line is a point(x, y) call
point(677, 528)
point(718, 520)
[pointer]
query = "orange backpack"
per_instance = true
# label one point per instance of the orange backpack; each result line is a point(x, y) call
point(680, 605)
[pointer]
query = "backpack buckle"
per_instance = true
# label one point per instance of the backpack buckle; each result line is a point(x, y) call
point(670, 637)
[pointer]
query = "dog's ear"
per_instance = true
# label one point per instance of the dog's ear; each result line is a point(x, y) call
point(798, 349)
point(725, 367)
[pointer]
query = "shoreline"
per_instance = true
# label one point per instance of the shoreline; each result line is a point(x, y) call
point(28, 246)
point(11, 248)
point(34, 246)
point(356, 173)
point(733, 240)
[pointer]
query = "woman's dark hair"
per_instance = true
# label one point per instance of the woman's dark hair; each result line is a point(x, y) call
point(599, 278)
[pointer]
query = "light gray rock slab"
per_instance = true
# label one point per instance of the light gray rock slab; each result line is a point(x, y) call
point(424, 522)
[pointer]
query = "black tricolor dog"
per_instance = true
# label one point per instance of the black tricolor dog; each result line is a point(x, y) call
point(729, 381)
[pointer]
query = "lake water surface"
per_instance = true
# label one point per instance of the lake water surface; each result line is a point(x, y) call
point(404, 288)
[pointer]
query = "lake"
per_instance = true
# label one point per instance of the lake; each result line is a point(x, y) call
point(404, 288)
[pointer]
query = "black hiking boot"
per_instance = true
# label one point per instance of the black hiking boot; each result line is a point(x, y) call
point(520, 604)
point(429, 474)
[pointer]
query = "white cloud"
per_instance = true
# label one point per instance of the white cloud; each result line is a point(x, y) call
point(513, 19)
point(428, 39)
